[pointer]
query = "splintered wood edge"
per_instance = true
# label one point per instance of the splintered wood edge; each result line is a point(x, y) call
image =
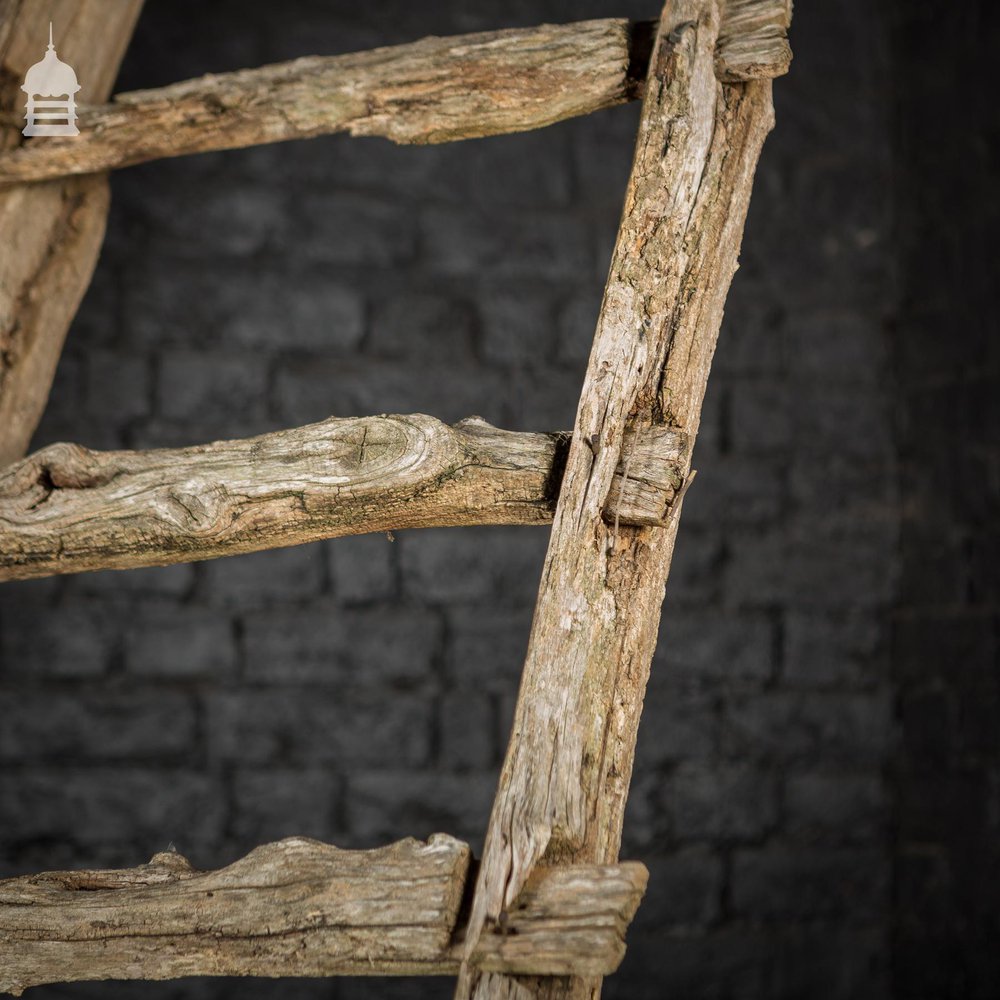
point(67, 509)
point(299, 907)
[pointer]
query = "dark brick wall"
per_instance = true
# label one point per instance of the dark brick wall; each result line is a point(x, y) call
point(946, 353)
point(361, 690)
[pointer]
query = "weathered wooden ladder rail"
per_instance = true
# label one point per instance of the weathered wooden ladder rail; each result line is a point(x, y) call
point(551, 903)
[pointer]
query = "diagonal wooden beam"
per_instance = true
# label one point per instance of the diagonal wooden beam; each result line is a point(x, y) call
point(51, 233)
point(564, 781)
point(302, 908)
point(433, 90)
point(67, 509)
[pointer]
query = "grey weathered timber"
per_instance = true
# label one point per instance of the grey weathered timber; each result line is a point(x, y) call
point(567, 920)
point(50, 233)
point(67, 509)
point(433, 90)
point(564, 781)
point(753, 40)
point(302, 908)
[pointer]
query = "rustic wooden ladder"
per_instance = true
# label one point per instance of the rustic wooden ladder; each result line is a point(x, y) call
point(551, 903)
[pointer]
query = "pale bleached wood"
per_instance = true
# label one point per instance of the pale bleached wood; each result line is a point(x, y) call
point(294, 908)
point(66, 509)
point(564, 781)
point(302, 908)
point(434, 90)
point(753, 40)
point(52, 232)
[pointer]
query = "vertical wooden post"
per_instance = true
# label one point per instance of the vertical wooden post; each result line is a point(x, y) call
point(53, 231)
point(565, 779)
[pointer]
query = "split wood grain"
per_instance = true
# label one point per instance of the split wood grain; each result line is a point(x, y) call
point(302, 908)
point(564, 781)
point(66, 509)
point(430, 91)
point(569, 920)
point(753, 40)
point(293, 908)
point(52, 232)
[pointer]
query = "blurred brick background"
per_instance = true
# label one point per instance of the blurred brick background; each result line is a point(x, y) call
point(817, 787)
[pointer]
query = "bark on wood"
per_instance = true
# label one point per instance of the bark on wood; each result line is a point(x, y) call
point(51, 232)
point(67, 509)
point(564, 782)
point(753, 40)
point(302, 908)
point(434, 90)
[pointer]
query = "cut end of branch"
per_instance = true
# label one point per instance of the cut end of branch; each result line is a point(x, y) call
point(648, 478)
point(753, 40)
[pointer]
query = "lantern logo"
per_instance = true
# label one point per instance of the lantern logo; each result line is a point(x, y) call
point(50, 78)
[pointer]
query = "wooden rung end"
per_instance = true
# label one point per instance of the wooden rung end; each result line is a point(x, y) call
point(753, 40)
point(569, 921)
point(648, 479)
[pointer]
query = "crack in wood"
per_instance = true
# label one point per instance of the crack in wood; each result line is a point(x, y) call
point(302, 908)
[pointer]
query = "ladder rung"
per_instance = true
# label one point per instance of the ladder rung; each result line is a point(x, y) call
point(299, 907)
point(66, 509)
point(434, 90)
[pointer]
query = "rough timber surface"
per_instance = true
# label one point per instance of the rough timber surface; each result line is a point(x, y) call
point(564, 782)
point(430, 91)
point(66, 509)
point(52, 232)
point(299, 907)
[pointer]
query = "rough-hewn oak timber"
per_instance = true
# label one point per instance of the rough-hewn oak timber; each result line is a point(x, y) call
point(67, 509)
point(434, 90)
point(564, 782)
point(302, 908)
point(753, 40)
point(50, 233)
